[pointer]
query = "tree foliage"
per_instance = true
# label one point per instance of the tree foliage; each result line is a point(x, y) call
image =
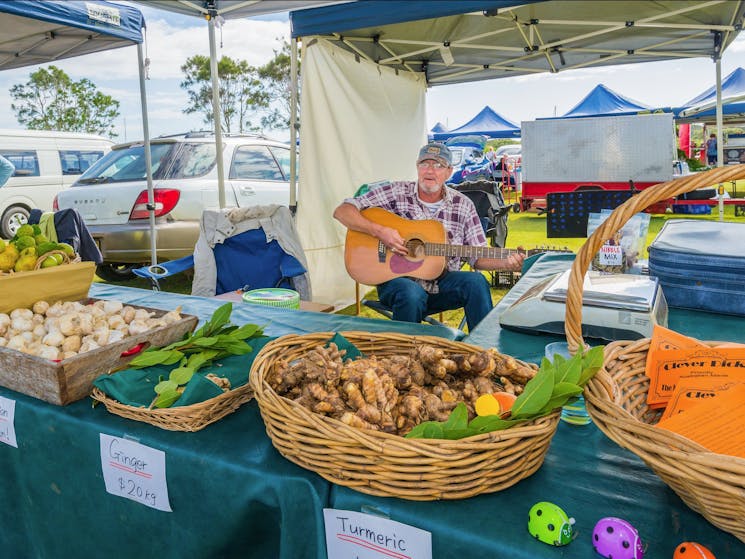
point(241, 92)
point(275, 75)
point(51, 100)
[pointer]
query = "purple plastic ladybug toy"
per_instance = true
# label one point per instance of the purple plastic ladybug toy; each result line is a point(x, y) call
point(614, 538)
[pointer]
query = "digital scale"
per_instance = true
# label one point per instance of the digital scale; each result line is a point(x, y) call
point(614, 306)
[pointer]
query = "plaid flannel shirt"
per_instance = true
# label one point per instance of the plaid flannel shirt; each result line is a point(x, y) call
point(457, 213)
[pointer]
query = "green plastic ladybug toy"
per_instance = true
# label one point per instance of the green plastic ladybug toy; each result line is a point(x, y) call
point(548, 523)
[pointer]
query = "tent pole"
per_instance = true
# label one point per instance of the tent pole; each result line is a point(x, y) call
point(720, 138)
point(293, 125)
point(148, 158)
point(216, 109)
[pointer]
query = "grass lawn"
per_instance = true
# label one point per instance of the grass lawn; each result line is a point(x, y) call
point(527, 230)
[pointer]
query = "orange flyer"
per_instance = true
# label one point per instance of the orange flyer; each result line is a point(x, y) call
point(670, 366)
point(717, 424)
point(691, 392)
point(664, 340)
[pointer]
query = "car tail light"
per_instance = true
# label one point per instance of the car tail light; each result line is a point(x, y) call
point(55, 204)
point(165, 200)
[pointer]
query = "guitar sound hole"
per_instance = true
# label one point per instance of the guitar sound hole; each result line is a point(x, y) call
point(416, 249)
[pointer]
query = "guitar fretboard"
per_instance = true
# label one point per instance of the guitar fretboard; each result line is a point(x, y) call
point(466, 251)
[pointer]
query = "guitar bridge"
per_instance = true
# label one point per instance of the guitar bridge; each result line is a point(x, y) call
point(381, 252)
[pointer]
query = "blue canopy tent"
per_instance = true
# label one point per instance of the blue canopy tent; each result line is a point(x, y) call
point(486, 123)
point(37, 32)
point(702, 108)
point(438, 128)
point(603, 101)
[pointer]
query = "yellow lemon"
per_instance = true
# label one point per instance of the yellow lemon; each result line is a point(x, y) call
point(487, 404)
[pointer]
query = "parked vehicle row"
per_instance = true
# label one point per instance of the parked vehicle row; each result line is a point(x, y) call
point(112, 195)
point(45, 163)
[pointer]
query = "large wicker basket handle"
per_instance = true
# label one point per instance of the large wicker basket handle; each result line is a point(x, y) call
point(616, 220)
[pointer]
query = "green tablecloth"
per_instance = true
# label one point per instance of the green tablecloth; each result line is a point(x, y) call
point(233, 495)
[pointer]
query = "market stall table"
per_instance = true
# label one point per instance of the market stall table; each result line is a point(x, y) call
point(585, 473)
point(233, 495)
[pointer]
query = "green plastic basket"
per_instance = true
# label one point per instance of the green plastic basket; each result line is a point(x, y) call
point(273, 297)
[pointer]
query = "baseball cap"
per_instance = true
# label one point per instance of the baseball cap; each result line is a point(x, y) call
point(437, 151)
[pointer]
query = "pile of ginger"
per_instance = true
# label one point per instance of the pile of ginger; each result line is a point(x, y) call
point(395, 393)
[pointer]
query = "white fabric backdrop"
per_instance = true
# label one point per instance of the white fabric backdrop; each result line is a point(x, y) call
point(359, 123)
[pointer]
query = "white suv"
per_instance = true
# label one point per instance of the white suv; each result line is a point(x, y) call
point(111, 196)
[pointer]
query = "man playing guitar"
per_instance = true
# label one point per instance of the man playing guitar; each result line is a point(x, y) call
point(413, 298)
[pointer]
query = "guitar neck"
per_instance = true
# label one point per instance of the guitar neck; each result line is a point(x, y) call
point(466, 251)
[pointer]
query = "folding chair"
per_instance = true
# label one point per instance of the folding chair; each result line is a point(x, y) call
point(493, 212)
point(490, 206)
point(241, 249)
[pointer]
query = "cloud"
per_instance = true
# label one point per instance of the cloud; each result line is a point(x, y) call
point(168, 47)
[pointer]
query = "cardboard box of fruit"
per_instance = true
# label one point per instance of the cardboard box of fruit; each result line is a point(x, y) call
point(33, 268)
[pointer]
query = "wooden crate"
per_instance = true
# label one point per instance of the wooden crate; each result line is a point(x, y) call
point(69, 282)
point(72, 379)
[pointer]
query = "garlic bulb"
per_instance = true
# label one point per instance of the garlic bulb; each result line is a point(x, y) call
point(115, 321)
point(21, 324)
point(4, 323)
point(86, 324)
point(112, 307)
point(22, 313)
point(54, 339)
point(88, 345)
point(116, 336)
point(39, 331)
point(138, 327)
point(16, 342)
point(142, 314)
point(55, 310)
point(128, 314)
point(69, 324)
point(47, 352)
point(71, 344)
point(40, 307)
point(172, 316)
point(101, 335)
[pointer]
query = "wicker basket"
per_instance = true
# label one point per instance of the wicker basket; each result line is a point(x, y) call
point(389, 465)
point(180, 418)
point(709, 483)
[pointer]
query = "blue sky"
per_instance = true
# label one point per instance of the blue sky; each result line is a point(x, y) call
point(172, 38)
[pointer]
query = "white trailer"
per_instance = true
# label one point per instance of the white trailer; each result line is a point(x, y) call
point(597, 153)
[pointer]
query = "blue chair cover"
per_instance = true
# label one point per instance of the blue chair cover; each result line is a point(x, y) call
point(237, 268)
point(244, 261)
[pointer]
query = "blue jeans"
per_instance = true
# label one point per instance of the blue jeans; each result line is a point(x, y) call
point(411, 303)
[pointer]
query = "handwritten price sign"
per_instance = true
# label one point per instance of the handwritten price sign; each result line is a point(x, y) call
point(135, 472)
point(7, 421)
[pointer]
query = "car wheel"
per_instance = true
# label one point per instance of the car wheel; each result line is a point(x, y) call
point(116, 271)
point(13, 218)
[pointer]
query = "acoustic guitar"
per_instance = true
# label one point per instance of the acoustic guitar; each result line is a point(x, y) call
point(370, 262)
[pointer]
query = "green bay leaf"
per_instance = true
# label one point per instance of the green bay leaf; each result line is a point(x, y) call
point(458, 418)
point(181, 375)
point(591, 363)
point(536, 394)
point(166, 399)
point(165, 386)
point(149, 358)
point(567, 370)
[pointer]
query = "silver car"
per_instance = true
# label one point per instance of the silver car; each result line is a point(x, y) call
point(111, 196)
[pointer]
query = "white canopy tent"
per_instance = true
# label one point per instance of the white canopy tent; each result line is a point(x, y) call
point(39, 32)
point(214, 12)
point(358, 127)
